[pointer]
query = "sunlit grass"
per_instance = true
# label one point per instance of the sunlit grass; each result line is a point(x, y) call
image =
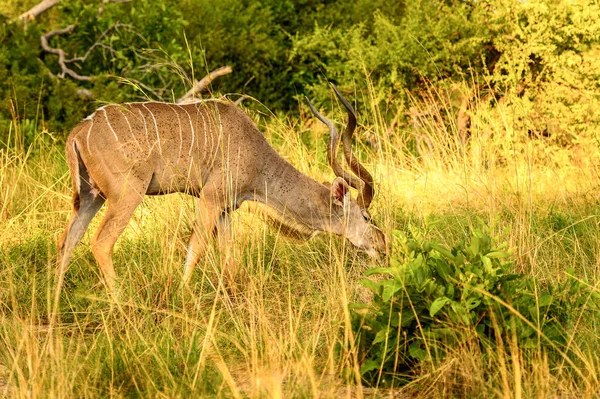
point(279, 330)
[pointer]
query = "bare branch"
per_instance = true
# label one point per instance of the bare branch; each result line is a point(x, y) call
point(85, 93)
point(36, 10)
point(99, 43)
point(62, 59)
point(242, 98)
point(61, 54)
point(203, 84)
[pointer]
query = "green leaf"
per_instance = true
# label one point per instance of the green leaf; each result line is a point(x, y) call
point(474, 247)
point(444, 270)
point(459, 260)
point(443, 250)
point(487, 264)
point(461, 315)
point(498, 254)
point(408, 316)
point(370, 284)
point(415, 350)
point(379, 270)
point(369, 365)
point(473, 303)
point(381, 336)
point(545, 300)
point(450, 290)
point(437, 305)
point(390, 287)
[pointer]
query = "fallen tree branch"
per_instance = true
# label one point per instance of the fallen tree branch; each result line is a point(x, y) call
point(36, 10)
point(200, 86)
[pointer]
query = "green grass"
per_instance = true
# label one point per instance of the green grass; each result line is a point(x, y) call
point(278, 333)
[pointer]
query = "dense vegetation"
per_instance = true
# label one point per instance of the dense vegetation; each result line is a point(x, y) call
point(539, 58)
point(471, 113)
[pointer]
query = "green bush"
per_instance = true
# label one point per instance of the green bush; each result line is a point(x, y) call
point(427, 42)
point(537, 61)
point(548, 77)
point(431, 299)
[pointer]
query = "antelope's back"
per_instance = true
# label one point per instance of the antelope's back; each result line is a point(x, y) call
point(141, 130)
point(176, 144)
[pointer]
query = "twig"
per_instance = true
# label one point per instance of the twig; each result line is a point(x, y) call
point(203, 84)
point(98, 43)
point(239, 100)
point(61, 54)
point(62, 59)
point(85, 93)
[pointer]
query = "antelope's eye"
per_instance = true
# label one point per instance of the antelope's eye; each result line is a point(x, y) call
point(366, 216)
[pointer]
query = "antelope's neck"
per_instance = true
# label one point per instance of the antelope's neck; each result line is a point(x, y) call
point(294, 195)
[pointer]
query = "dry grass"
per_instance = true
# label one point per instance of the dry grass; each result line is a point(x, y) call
point(277, 334)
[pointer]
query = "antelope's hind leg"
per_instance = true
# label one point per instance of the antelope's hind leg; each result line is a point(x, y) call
point(225, 243)
point(86, 203)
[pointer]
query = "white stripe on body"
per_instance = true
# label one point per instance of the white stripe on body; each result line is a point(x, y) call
point(219, 132)
point(87, 140)
point(76, 180)
point(206, 133)
point(156, 127)
point(109, 125)
point(212, 139)
point(145, 127)
point(180, 131)
point(131, 129)
point(193, 132)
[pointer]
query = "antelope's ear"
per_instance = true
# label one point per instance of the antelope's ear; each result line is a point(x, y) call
point(340, 190)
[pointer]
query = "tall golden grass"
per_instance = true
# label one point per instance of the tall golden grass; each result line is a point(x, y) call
point(280, 332)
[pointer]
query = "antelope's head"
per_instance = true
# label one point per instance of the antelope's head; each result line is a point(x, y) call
point(350, 217)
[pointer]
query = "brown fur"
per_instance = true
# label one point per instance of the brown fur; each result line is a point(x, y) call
point(208, 149)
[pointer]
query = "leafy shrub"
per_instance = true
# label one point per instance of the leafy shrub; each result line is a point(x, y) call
point(428, 41)
point(535, 61)
point(434, 298)
point(549, 75)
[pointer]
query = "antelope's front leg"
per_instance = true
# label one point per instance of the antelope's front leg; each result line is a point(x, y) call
point(121, 205)
point(115, 220)
point(211, 209)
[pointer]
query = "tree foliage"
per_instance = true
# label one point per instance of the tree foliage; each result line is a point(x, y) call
point(541, 56)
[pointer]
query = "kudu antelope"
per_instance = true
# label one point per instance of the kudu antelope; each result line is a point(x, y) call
point(210, 149)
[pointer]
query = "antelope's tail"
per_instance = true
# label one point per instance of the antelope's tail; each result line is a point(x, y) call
point(77, 168)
